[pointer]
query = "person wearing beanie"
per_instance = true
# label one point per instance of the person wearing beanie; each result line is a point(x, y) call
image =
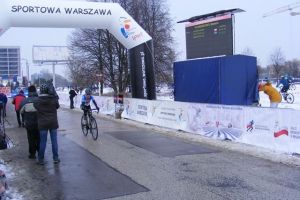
point(17, 102)
point(46, 105)
point(30, 121)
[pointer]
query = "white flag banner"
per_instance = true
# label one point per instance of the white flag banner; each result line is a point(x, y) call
point(73, 14)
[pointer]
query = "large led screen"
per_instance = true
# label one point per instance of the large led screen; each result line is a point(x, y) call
point(211, 37)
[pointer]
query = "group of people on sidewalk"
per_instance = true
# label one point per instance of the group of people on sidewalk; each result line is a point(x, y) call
point(38, 114)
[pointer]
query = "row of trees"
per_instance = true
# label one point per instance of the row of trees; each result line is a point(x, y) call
point(98, 56)
point(280, 66)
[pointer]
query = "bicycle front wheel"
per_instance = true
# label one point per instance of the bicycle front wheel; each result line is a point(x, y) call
point(293, 87)
point(94, 128)
point(84, 125)
point(290, 98)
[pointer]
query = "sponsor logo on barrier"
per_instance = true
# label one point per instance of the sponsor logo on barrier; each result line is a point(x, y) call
point(128, 109)
point(280, 133)
point(212, 126)
point(250, 126)
point(142, 110)
point(295, 133)
point(220, 130)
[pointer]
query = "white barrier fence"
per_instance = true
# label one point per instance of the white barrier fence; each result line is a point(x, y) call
point(276, 129)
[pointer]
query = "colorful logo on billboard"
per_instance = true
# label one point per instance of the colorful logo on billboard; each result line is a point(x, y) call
point(127, 28)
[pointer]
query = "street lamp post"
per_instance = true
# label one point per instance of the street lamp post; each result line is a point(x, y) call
point(27, 69)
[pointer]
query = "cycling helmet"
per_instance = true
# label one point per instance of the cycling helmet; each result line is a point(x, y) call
point(44, 89)
point(88, 92)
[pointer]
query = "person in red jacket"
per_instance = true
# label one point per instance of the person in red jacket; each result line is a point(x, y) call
point(17, 102)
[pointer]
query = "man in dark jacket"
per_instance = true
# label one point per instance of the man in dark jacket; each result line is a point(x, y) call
point(72, 94)
point(30, 121)
point(17, 102)
point(46, 105)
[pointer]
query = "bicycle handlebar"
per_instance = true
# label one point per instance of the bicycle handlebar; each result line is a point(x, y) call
point(94, 109)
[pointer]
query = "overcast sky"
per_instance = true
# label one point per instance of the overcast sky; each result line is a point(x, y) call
point(261, 35)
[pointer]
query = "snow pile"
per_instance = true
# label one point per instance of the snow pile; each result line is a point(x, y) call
point(7, 192)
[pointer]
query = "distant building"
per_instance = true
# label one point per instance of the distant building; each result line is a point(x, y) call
point(10, 63)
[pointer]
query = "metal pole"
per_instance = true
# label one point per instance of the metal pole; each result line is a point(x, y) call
point(27, 69)
point(53, 71)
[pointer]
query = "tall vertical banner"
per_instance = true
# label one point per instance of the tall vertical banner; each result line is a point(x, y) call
point(142, 71)
point(77, 14)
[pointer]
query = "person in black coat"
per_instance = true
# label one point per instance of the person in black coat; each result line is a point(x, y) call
point(30, 121)
point(72, 94)
point(46, 105)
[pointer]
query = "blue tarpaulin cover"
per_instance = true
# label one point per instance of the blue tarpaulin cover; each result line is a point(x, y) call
point(229, 80)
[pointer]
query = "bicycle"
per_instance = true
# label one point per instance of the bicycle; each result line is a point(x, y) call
point(89, 123)
point(288, 97)
point(292, 86)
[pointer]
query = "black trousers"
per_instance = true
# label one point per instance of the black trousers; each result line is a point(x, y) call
point(19, 117)
point(33, 137)
point(71, 102)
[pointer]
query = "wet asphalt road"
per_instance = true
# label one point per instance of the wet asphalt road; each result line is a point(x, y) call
point(128, 162)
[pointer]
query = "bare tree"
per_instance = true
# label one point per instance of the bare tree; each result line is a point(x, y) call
point(277, 60)
point(106, 57)
point(293, 68)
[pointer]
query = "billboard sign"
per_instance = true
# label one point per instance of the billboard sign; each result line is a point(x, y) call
point(211, 37)
point(50, 54)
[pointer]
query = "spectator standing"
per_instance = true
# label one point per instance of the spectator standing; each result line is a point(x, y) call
point(46, 105)
point(30, 121)
point(72, 94)
point(274, 95)
point(17, 102)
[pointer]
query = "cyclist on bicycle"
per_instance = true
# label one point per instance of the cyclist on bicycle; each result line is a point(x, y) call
point(86, 102)
point(285, 81)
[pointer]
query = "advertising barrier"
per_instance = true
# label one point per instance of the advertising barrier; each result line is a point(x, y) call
point(275, 129)
point(105, 104)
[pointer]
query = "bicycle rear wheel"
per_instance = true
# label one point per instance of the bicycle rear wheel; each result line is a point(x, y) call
point(84, 125)
point(94, 128)
point(290, 98)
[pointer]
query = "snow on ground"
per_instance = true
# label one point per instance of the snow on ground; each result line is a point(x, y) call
point(11, 192)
